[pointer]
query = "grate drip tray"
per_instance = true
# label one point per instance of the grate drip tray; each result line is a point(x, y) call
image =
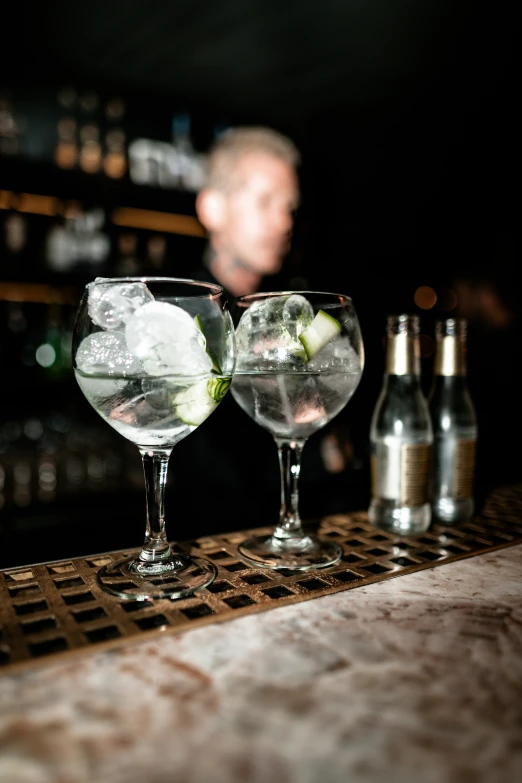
point(52, 610)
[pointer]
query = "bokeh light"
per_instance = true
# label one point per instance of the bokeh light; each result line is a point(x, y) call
point(115, 108)
point(425, 297)
point(45, 355)
point(66, 155)
point(67, 97)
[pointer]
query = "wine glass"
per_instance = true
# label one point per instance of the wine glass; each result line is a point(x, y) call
point(154, 357)
point(300, 358)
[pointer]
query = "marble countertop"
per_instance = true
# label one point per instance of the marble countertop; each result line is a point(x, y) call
point(417, 678)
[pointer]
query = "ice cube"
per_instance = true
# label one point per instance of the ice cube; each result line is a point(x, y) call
point(337, 356)
point(298, 313)
point(106, 353)
point(99, 391)
point(167, 341)
point(112, 304)
point(263, 339)
point(182, 358)
point(158, 392)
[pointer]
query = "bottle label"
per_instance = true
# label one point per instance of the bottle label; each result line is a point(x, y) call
point(400, 472)
point(465, 451)
point(415, 463)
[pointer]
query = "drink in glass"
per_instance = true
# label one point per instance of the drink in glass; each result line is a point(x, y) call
point(154, 357)
point(299, 360)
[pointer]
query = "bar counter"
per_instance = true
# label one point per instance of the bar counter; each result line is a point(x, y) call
point(417, 678)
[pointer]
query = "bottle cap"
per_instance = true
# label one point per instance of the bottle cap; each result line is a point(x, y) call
point(403, 347)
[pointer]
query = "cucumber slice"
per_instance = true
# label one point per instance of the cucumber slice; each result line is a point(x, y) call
point(196, 403)
point(199, 325)
point(322, 329)
point(296, 349)
point(218, 387)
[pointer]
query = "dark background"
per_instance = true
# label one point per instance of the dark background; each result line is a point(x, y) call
point(406, 115)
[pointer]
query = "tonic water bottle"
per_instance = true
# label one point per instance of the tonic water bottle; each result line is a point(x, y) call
point(401, 436)
point(454, 427)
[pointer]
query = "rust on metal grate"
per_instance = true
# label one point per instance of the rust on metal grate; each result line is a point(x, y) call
point(52, 610)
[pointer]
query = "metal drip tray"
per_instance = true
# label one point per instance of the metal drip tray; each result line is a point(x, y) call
point(52, 610)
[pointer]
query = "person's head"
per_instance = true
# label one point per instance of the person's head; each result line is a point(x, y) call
point(249, 196)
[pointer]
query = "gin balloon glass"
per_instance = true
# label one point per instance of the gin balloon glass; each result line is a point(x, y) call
point(154, 357)
point(300, 358)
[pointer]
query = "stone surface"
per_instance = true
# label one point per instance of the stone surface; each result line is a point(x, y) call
point(413, 679)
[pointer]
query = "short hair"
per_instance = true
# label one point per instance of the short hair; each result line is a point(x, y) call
point(234, 143)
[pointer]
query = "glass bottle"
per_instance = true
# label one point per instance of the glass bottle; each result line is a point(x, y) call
point(401, 436)
point(454, 427)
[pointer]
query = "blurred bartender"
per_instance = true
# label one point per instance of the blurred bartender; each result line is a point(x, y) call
point(230, 464)
point(247, 206)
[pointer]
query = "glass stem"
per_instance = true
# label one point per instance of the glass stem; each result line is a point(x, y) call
point(290, 464)
point(155, 464)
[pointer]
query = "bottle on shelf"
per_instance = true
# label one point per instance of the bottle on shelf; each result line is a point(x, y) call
point(401, 436)
point(115, 161)
point(66, 150)
point(454, 427)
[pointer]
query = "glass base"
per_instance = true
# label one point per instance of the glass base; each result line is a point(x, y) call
point(136, 580)
point(390, 516)
point(299, 554)
point(452, 511)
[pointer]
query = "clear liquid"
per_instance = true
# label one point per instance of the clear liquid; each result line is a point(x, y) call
point(400, 422)
point(454, 425)
point(146, 410)
point(293, 405)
